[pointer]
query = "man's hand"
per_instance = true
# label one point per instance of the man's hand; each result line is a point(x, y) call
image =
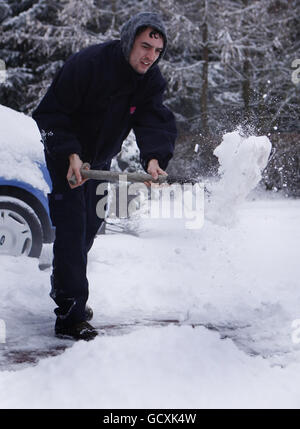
point(74, 169)
point(155, 170)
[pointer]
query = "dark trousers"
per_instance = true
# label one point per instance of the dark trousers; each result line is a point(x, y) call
point(73, 213)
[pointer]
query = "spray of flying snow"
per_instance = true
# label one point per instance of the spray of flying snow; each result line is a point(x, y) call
point(242, 161)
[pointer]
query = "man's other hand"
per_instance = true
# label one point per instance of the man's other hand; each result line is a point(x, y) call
point(155, 170)
point(74, 169)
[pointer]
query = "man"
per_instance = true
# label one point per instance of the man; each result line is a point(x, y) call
point(99, 95)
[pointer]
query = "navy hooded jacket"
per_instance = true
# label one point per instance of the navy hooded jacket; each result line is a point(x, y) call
point(94, 102)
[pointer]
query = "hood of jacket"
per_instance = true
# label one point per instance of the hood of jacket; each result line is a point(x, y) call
point(130, 28)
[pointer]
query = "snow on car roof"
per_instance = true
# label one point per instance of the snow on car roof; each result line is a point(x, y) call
point(21, 149)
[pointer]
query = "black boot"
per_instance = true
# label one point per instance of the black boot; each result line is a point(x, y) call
point(79, 331)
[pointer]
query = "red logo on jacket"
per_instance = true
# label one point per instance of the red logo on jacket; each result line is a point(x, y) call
point(132, 109)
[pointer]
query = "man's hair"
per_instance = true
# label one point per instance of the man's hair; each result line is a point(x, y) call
point(153, 32)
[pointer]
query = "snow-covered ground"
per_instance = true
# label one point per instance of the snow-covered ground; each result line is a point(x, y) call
point(241, 283)
point(190, 318)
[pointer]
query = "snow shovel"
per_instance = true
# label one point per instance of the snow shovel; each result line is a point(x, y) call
point(115, 176)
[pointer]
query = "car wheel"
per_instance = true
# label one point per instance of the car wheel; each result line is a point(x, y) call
point(20, 230)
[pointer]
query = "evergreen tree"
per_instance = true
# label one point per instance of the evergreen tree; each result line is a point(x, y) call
point(228, 63)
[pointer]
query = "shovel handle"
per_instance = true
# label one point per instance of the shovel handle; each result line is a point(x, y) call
point(114, 176)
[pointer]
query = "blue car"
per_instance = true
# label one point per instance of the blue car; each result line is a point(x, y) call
point(24, 217)
point(24, 183)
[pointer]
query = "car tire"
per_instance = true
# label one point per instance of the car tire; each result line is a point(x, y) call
point(20, 230)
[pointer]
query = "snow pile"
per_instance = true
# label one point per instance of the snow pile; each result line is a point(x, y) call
point(242, 160)
point(152, 368)
point(20, 149)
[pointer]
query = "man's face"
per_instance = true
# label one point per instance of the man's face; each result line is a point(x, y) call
point(146, 49)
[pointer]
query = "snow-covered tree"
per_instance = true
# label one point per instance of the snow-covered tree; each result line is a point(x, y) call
point(228, 63)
